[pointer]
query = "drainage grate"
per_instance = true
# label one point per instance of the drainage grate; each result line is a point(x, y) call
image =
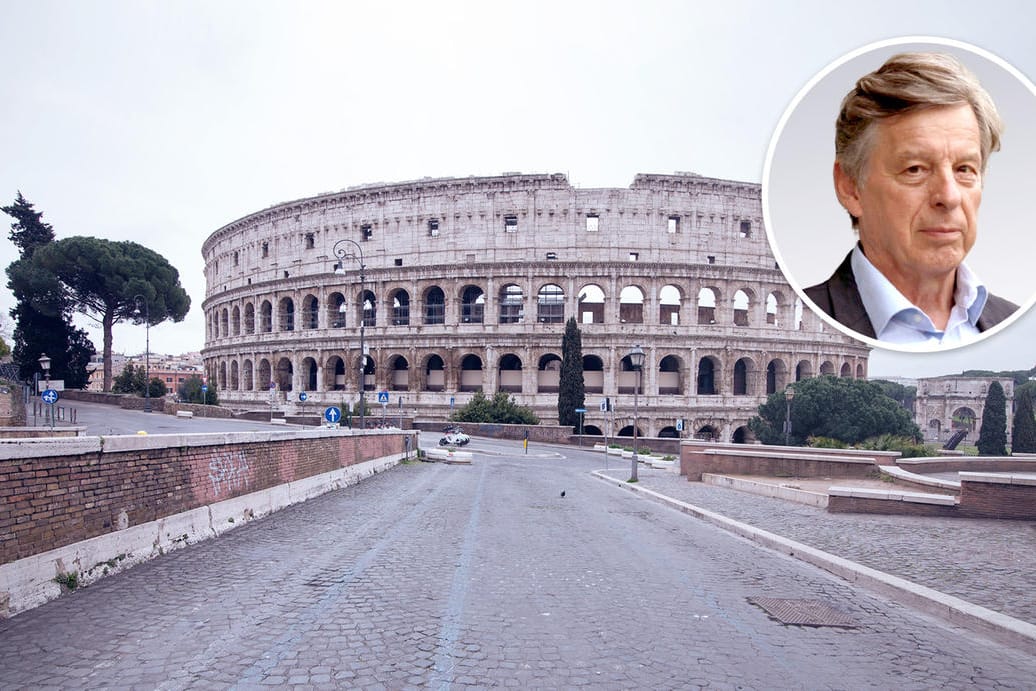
point(803, 612)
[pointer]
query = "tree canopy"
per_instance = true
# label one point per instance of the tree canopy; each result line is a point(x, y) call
point(133, 380)
point(992, 436)
point(1023, 429)
point(190, 391)
point(849, 410)
point(103, 279)
point(501, 409)
point(42, 313)
point(571, 391)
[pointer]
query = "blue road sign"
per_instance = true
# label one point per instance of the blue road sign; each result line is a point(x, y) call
point(383, 397)
point(580, 410)
point(204, 388)
point(332, 414)
point(303, 396)
point(49, 396)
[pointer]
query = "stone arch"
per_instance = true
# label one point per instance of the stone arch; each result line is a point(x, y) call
point(803, 370)
point(222, 375)
point(310, 312)
point(284, 374)
point(550, 304)
point(434, 373)
point(670, 380)
point(744, 375)
point(631, 305)
point(776, 376)
point(592, 431)
point(264, 375)
point(591, 304)
point(369, 308)
point(400, 307)
point(249, 318)
point(669, 432)
point(472, 305)
point(593, 374)
point(470, 373)
point(708, 376)
point(370, 372)
point(707, 298)
point(224, 322)
point(772, 306)
point(827, 367)
point(512, 304)
point(434, 306)
point(627, 431)
point(309, 374)
point(235, 376)
point(629, 378)
point(266, 317)
point(860, 372)
point(548, 373)
point(337, 311)
point(286, 316)
point(742, 305)
point(846, 371)
point(247, 380)
point(742, 435)
point(399, 373)
point(707, 432)
point(964, 418)
point(334, 373)
point(235, 321)
point(670, 301)
point(509, 373)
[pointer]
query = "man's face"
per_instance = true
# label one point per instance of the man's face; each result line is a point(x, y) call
point(918, 196)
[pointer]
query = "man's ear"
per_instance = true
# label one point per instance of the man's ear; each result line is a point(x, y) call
point(848, 191)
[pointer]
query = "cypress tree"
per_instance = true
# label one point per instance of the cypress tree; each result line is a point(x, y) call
point(1023, 430)
point(992, 437)
point(571, 394)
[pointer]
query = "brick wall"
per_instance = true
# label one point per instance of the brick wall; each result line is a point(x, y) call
point(979, 499)
point(63, 492)
point(837, 504)
point(741, 459)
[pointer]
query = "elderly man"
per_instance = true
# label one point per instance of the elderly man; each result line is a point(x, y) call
point(912, 142)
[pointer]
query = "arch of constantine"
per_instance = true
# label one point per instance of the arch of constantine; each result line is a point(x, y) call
point(467, 284)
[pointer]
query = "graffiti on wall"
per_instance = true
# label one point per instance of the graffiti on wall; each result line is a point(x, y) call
point(228, 472)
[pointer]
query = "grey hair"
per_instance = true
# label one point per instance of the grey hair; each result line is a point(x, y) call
point(909, 82)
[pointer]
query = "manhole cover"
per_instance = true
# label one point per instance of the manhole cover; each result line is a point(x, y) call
point(803, 612)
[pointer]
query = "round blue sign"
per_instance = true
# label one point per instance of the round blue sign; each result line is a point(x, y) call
point(49, 396)
point(303, 396)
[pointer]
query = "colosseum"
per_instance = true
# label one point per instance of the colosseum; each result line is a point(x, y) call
point(464, 285)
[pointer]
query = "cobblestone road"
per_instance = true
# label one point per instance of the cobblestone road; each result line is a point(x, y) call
point(985, 562)
point(455, 577)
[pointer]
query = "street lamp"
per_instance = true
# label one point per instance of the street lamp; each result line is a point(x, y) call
point(342, 251)
point(45, 366)
point(636, 357)
point(789, 393)
point(139, 299)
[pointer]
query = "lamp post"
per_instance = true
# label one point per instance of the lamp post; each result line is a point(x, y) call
point(139, 299)
point(789, 393)
point(342, 251)
point(45, 366)
point(636, 357)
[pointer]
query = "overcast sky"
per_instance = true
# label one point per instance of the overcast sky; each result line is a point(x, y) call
point(161, 122)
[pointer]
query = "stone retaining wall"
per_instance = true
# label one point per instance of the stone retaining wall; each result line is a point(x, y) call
point(57, 493)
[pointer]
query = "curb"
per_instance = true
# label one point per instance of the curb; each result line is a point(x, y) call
point(1014, 632)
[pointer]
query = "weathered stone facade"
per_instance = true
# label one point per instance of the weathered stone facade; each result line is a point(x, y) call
point(469, 282)
point(946, 404)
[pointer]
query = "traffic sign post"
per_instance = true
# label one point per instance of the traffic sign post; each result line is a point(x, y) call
point(50, 397)
point(581, 412)
point(333, 416)
point(383, 399)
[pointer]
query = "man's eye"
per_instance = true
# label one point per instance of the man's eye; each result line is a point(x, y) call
point(913, 170)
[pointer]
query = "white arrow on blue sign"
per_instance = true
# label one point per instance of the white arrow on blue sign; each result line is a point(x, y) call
point(303, 396)
point(49, 396)
point(332, 414)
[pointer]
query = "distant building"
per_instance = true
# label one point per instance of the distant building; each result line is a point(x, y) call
point(469, 282)
point(952, 402)
point(173, 370)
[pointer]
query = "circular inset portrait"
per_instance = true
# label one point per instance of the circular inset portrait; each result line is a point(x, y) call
point(895, 193)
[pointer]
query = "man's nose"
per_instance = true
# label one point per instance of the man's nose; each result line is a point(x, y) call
point(945, 189)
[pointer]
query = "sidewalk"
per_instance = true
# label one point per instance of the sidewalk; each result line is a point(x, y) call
point(985, 562)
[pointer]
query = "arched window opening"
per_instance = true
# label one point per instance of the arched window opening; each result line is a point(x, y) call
point(551, 304)
point(472, 305)
point(631, 305)
point(434, 306)
point(591, 305)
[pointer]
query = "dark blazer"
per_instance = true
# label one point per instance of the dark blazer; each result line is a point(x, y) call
point(840, 298)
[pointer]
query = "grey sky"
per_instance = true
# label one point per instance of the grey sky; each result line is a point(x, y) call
point(160, 122)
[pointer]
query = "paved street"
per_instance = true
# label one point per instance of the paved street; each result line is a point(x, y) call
point(472, 576)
